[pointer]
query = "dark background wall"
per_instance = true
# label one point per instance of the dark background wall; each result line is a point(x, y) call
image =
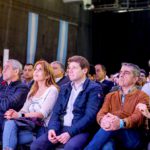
point(108, 37)
point(121, 37)
point(14, 27)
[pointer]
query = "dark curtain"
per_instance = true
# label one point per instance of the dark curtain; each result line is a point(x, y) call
point(121, 37)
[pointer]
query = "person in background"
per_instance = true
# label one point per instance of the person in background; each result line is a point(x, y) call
point(146, 88)
point(12, 92)
point(101, 78)
point(148, 77)
point(120, 121)
point(27, 76)
point(142, 79)
point(59, 73)
point(145, 111)
point(115, 79)
point(39, 104)
point(75, 111)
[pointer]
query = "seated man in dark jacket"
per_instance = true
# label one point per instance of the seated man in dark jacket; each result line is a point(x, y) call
point(59, 73)
point(75, 110)
point(101, 78)
point(12, 92)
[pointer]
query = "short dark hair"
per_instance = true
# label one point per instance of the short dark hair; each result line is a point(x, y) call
point(92, 69)
point(29, 64)
point(103, 67)
point(143, 71)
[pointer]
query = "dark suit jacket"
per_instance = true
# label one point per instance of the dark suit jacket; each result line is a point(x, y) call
point(106, 86)
point(63, 80)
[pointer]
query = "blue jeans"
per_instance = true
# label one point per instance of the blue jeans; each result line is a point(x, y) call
point(128, 138)
point(12, 135)
point(77, 142)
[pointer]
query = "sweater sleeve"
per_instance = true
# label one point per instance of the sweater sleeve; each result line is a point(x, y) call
point(105, 109)
point(136, 119)
point(14, 101)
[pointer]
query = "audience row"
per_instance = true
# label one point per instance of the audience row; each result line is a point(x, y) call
point(76, 111)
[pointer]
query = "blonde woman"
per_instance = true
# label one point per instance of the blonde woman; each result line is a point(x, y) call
point(39, 104)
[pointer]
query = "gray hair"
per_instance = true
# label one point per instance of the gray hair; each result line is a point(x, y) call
point(16, 65)
point(60, 64)
point(136, 68)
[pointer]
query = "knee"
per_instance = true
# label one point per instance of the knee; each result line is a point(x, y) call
point(10, 124)
point(34, 146)
point(109, 146)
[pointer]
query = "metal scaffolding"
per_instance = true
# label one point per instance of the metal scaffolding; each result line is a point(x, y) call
point(120, 5)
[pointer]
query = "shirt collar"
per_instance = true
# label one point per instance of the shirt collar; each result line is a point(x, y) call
point(78, 86)
point(129, 91)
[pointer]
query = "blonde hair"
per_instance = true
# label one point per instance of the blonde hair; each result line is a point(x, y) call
point(48, 72)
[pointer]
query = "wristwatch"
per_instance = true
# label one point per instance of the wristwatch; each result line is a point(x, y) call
point(22, 115)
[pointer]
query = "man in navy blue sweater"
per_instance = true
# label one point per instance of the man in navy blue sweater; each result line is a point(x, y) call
point(74, 114)
point(12, 92)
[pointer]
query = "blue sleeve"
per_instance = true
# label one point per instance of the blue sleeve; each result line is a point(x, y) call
point(14, 100)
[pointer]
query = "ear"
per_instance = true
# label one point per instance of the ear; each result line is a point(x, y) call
point(17, 71)
point(85, 70)
point(136, 79)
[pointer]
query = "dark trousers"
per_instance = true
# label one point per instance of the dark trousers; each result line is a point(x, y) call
point(77, 142)
point(127, 138)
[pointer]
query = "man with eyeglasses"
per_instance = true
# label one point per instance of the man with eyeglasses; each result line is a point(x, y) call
point(142, 79)
point(121, 123)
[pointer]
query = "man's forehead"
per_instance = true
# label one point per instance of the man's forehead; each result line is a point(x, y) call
point(98, 66)
point(74, 64)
